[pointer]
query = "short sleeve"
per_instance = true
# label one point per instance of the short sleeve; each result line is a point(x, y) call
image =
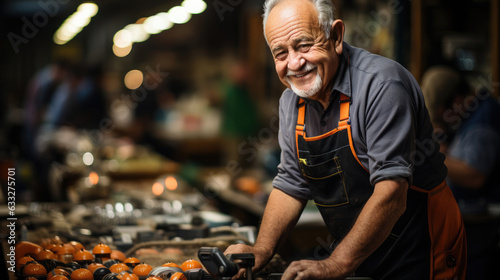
point(390, 133)
point(289, 179)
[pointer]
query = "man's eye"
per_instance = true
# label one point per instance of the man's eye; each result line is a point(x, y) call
point(280, 55)
point(304, 47)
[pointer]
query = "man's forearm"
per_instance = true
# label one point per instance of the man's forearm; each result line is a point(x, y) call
point(373, 224)
point(281, 215)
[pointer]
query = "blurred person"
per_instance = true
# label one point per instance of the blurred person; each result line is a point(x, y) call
point(78, 104)
point(352, 131)
point(39, 95)
point(469, 127)
point(468, 123)
point(154, 110)
point(240, 118)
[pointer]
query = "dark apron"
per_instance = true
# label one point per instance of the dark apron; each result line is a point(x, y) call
point(340, 187)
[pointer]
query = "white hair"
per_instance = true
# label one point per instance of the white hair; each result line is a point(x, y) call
point(325, 8)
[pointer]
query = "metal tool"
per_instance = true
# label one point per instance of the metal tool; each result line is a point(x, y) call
point(224, 267)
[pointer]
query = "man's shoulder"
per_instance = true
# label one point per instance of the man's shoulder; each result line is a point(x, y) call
point(288, 99)
point(367, 63)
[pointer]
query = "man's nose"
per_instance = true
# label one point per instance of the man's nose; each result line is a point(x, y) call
point(295, 61)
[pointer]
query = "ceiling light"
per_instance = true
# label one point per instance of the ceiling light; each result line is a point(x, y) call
point(122, 38)
point(194, 6)
point(179, 15)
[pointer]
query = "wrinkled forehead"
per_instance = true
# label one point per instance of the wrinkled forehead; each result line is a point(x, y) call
point(289, 18)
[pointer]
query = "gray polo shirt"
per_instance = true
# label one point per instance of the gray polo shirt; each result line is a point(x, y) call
point(391, 129)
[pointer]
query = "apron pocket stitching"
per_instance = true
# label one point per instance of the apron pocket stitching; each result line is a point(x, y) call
point(345, 192)
point(319, 178)
point(319, 155)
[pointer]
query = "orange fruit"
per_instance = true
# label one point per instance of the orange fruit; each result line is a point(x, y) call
point(82, 274)
point(171, 264)
point(26, 248)
point(83, 255)
point(65, 253)
point(142, 269)
point(55, 247)
point(190, 264)
point(46, 255)
point(77, 245)
point(93, 266)
point(59, 277)
point(119, 267)
point(131, 262)
point(118, 255)
point(129, 276)
point(34, 269)
point(57, 271)
point(178, 276)
point(22, 261)
point(101, 249)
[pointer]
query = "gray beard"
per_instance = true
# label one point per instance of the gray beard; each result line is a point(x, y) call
point(314, 89)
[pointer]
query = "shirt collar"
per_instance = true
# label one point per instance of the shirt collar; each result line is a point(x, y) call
point(342, 81)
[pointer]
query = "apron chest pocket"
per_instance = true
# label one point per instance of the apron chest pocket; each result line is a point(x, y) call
point(326, 182)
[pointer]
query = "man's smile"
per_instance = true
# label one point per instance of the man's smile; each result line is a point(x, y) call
point(303, 74)
point(308, 69)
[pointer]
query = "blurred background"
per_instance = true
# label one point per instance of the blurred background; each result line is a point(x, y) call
point(171, 106)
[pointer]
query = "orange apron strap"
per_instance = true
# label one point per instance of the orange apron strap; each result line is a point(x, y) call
point(446, 228)
point(447, 232)
point(299, 128)
point(302, 114)
point(344, 110)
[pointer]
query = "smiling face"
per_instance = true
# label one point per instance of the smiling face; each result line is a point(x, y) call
point(306, 61)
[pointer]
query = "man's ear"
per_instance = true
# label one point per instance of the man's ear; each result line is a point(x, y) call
point(337, 35)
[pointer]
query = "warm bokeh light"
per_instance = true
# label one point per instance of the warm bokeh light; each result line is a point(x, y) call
point(122, 38)
point(141, 20)
point(194, 6)
point(75, 23)
point(137, 31)
point(151, 25)
point(133, 79)
point(93, 178)
point(78, 19)
point(121, 52)
point(141, 30)
point(157, 189)
point(171, 183)
point(88, 158)
point(71, 29)
point(179, 15)
point(89, 9)
point(164, 22)
point(57, 40)
point(119, 207)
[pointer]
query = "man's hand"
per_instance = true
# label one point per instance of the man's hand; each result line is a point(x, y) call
point(261, 257)
point(373, 225)
point(308, 269)
point(281, 215)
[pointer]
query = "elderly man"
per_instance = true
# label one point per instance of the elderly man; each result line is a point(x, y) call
point(356, 138)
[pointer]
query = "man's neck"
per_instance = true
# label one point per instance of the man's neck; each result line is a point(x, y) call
point(323, 97)
point(325, 101)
